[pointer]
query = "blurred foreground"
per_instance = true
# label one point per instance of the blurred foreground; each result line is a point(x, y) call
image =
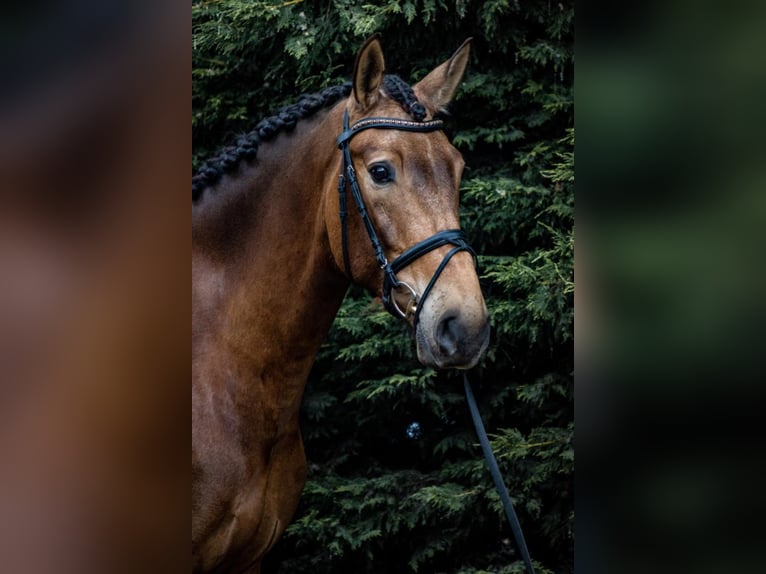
point(94, 143)
point(671, 216)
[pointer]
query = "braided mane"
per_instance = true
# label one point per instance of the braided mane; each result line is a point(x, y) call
point(401, 92)
point(246, 146)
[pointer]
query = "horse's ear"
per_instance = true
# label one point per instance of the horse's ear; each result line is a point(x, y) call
point(368, 72)
point(438, 88)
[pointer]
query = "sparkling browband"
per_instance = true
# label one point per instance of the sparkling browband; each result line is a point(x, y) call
point(397, 123)
point(384, 123)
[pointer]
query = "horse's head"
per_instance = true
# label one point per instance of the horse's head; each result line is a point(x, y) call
point(408, 177)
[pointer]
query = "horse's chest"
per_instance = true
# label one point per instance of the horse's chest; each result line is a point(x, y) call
point(244, 501)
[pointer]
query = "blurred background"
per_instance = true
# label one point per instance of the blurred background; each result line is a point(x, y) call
point(94, 328)
point(671, 212)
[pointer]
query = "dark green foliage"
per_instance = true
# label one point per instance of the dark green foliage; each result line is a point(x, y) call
point(385, 495)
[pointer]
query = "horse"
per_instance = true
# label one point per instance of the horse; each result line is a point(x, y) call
point(275, 243)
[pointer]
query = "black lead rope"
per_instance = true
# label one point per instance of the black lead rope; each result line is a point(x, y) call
point(513, 520)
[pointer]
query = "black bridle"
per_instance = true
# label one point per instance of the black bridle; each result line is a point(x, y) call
point(391, 282)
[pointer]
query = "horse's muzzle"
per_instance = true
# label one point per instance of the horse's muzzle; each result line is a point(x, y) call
point(456, 339)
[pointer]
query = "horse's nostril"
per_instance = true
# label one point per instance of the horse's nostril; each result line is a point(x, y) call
point(448, 332)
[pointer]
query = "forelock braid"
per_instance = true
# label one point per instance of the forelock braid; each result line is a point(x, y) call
point(401, 92)
point(246, 146)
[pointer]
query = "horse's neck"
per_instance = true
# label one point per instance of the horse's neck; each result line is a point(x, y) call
point(264, 291)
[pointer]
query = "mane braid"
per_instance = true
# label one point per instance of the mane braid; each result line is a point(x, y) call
point(246, 146)
point(401, 92)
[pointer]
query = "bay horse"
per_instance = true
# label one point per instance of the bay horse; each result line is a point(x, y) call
point(276, 241)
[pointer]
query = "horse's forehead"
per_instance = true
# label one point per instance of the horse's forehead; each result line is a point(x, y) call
point(430, 146)
point(431, 157)
point(425, 156)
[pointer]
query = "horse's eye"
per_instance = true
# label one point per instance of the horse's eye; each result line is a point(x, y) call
point(381, 173)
